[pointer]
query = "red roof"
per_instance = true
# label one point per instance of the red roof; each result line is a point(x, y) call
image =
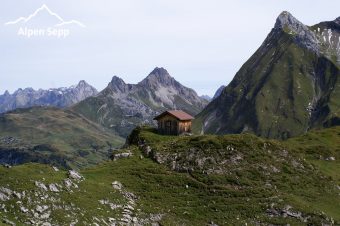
point(180, 115)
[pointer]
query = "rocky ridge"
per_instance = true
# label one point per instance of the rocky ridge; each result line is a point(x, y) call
point(57, 97)
point(122, 106)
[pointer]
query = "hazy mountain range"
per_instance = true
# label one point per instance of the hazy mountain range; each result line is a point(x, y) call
point(58, 97)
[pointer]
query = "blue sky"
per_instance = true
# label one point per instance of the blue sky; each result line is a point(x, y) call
point(201, 43)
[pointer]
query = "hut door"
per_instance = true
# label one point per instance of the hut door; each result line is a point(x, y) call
point(168, 127)
point(175, 131)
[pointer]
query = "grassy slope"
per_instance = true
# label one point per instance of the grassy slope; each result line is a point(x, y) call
point(270, 94)
point(110, 116)
point(233, 193)
point(65, 133)
point(318, 146)
point(304, 182)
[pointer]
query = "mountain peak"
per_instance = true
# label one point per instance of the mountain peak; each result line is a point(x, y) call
point(337, 20)
point(117, 84)
point(117, 80)
point(287, 20)
point(301, 33)
point(6, 93)
point(82, 83)
point(29, 89)
point(158, 76)
point(83, 86)
point(160, 71)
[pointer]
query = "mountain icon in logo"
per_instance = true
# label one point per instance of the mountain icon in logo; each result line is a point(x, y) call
point(44, 8)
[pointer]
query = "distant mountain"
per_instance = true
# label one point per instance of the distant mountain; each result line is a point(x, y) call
point(60, 97)
point(53, 136)
point(122, 106)
point(206, 97)
point(290, 85)
point(218, 92)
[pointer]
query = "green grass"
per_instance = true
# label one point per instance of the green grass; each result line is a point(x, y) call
point(159, 190)
point(224, 189)
point(300, 181)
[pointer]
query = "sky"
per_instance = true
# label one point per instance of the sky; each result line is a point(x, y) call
point(201, 43)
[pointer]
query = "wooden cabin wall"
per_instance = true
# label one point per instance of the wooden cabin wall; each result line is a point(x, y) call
point(177, 127)
point(174, 129)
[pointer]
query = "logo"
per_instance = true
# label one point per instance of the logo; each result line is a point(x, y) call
point(55, 25)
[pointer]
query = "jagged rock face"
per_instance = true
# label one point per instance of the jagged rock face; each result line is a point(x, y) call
point(218, 92)
point(117, 85)
point(61, 97)
point(322, 38)
point(165, 91)
point(301, 33)
point(328, 34)
point(122, 106)
point(290, 85)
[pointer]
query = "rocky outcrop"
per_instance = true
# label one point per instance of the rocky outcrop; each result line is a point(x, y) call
point(43, 203)
point(302, 34)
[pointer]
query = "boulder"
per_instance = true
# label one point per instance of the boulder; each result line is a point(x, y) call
point(6, 221)
point(53, 188)
point(23, 209)
point(121, 155)
point(75, 175)
point(41, 185)
point(117, 185)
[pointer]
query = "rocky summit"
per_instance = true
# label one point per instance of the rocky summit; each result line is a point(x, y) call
point(122, 106)
point(57, 97)
point(302, 34)
point(290, 84)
